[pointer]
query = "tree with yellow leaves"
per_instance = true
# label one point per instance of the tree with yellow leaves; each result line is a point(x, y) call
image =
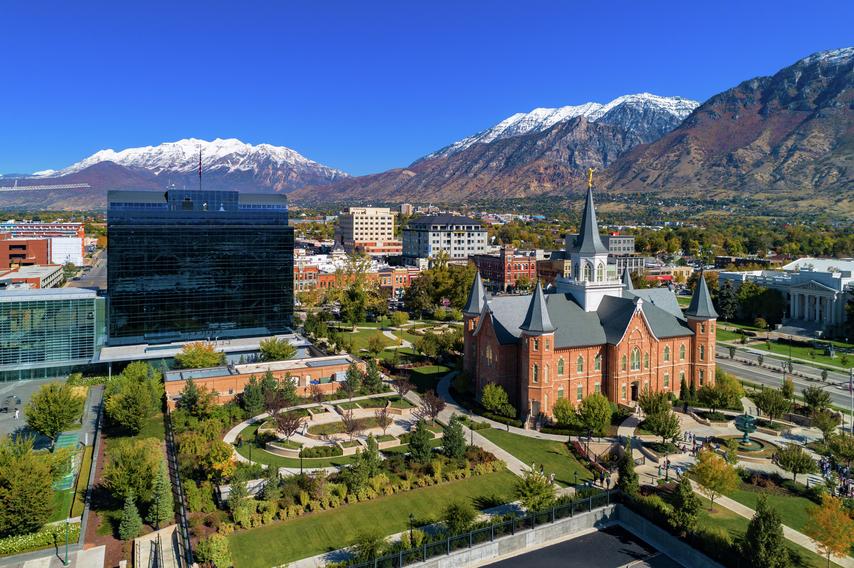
point(714, 475)
point(831, 528)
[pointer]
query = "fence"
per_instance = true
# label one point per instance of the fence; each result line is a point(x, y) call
point(447, 545)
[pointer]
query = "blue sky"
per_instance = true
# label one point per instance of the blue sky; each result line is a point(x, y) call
point(363, 86)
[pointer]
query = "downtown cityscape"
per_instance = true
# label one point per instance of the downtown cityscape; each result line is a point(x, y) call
point(555, 287)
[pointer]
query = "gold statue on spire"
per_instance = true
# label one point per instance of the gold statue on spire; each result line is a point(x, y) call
point(590, 172)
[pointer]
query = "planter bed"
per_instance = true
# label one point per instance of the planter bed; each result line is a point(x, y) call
point(350, 444)
point(354, 405)
point(338, 426)
point(374, 402)
point(384, 438)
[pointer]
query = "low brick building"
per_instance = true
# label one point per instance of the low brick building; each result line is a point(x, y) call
point(228, 381)
point(504, 270)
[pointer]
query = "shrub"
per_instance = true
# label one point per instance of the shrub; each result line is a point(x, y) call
point(321, 452)
point(214, 551)
point(49, 536)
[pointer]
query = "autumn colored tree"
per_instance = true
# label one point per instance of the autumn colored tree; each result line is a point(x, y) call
point(199, 354)
point(287, 423)
point(831, 528)
point(383, 417)
point(714, 475)
point(431, 405)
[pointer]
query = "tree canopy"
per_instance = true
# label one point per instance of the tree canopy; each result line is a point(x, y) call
point(53, 408)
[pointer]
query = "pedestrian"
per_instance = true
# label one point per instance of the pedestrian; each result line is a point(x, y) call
point(17, 413)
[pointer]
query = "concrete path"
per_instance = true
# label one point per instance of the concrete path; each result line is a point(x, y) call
point(404, 343)
point(89, 558)
point(790, 533)
point(627, 428)
point(749, 406)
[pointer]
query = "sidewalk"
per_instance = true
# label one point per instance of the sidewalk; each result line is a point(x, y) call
point(790, 533)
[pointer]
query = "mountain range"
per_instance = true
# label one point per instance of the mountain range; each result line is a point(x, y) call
point(788, 137)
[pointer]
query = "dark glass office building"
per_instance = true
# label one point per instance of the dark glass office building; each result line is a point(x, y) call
point(187, 265)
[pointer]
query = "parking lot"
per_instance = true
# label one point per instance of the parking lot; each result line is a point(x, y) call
point(16, 394)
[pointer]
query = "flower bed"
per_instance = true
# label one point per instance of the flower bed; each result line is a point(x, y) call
point(47, 537)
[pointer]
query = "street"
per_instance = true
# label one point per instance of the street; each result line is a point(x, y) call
point(96, 278)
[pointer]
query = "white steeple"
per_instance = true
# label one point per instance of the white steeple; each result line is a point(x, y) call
point(591, 277)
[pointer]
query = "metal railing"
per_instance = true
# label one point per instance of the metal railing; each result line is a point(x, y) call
point(447, 545)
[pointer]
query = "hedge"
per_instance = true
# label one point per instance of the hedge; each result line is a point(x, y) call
point(322, 452)
point(502, 419)
point(49, 536)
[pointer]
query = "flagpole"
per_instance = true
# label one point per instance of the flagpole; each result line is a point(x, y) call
point(200, 167)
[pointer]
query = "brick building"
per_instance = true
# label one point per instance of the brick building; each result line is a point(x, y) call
point(592, 333)
point(16, 252)
point(392, 280)
point(503, 270)
point(228, 382)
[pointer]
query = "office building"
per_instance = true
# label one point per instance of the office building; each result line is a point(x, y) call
point(501, 272)
point(428, 236)
point(48, 333)
point(32, 277)
point(17, 252)
point(621, 251)
point(367, 229)
point(187, 265)
point(39, 230)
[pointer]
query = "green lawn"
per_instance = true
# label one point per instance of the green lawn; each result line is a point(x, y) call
point(315, 533)
point(262, 456)
point(726, 335)
point(555, 457)
point(82, 482)
point(736, 525)
point(427, 377)
point(804, 353)
point(360, 338)
point(404, 449)
point(683, 301)
point(62, 504)
point(792, 508)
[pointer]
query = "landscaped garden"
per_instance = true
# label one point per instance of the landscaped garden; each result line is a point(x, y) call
point(555, 457)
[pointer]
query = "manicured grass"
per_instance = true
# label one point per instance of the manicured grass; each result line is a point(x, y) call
point(315, 533)
point(62, 504)
point(384, 438)
point(360, 338)
point(289, 444)
point(726, 335)
point(683, 301)
point(404, 449)
point(736, 525)
point(78, 504)
point(804, 353)
point(338, 426)
point(555, 457)
point(348, 405)
point(427, 377)
point(373, 402)
point(398, 402)
point(262, 456)
point(793, 509)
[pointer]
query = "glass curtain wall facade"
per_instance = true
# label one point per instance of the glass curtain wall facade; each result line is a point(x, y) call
point(48, 333)
point(187, 265)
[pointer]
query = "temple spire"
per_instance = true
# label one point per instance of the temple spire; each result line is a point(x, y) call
point(588, 240)
point(537, 319)
point(477, 297)
point(701, 306)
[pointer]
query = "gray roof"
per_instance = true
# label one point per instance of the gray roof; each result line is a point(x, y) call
point(46, 294)
point(659, 297)
point(701, 302)
point(537, 317)
point(477, 297)
point(588, 241)
point(627, 280)
point(443, 220)
point(576, 328)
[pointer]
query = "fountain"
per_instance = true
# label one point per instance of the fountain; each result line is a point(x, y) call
point(746, 424)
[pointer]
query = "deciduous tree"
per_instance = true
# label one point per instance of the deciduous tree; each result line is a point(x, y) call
point(594, 414)
point(714, 475)
point(383, 418)
point(431, 405)
point(53, 408)
point(663, 424)
point(26, 491)
point(816, 399)
point(534, 491)
point(795, 460)
point(132, 466)
point(199, 355)
point(288, 423)
point(831, 528)
point(773, 403)
point(275, 349)
point(458, 517)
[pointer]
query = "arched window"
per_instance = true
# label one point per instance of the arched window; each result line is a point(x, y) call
point(535, 373)
point(560, 366)
point(546, 374)
point(623, 363)
point(667, 353)
point(579, 391)
point(560, 393)
point(635, 359)
point(600, 272)
point(489, 355)
point(702, 352)
point(536, 344)
point(587, 272)
point(579, 364)
point(701, 375)
point(646, 360)
point(597, 363)
point(702, 328)
point(666, 380)
point(682, 352)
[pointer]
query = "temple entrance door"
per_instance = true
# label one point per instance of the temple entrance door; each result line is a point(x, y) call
point(535, 409)
point(635, 389)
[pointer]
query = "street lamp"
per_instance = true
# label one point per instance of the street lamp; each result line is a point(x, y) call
point(65, 560)
point(411, 526)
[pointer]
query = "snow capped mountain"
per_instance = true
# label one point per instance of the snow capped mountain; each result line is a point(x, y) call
point(220, 156)
point(630, 111)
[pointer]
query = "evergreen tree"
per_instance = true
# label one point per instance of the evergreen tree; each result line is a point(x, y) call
point(373, 378)
point(727, 304)
point(370, 457)
point(763, 545)
point(684, 394)
point(628, 480)
point(419, 443)
point(269, 384)
point(252, 398)
point(353, 380)
point(288, 390)
point(161, 509)
point(686, 506)
point(692, 391)
point(131, 523)
point(454, 440)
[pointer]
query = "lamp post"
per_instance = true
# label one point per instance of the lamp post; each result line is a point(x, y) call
point(65, 560)
point(300, 463)
point(411, 526)
point(576, 478)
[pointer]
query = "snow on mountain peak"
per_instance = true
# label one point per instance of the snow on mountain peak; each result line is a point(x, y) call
point(183, 156)
point(541, 119)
